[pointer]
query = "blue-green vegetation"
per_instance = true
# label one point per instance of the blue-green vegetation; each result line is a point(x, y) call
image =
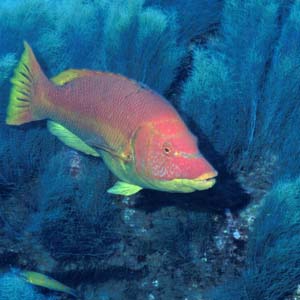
point(232, 69)
point(195, 18)
point(74, 216)
point(7, 62)
point(118, 36)
point(24, 153)
point(278, 110)
point(272, 268)
point(243, 85)
point(226, 82)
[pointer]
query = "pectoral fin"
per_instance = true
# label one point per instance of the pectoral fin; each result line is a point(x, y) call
point(70, 139)
point(126, 157)
point(124, 188)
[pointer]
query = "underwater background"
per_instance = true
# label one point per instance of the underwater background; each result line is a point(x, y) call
point(231, 69)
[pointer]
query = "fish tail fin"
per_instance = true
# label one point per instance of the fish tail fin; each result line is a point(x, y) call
point(27, 82)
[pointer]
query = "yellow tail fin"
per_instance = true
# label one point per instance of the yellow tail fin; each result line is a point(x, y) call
point(25, 80)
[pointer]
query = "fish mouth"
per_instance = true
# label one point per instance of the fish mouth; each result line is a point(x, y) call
point(204, 181)
point(207, 176)
point(188, 185)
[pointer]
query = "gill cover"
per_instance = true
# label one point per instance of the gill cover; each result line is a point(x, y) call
point(167, 150)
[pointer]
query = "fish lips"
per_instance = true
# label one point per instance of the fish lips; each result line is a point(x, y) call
point(200, 183)
point(204, 181)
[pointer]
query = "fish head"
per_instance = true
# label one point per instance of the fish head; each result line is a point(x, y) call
point(167, 158)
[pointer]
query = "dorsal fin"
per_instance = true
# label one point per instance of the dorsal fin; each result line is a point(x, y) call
point(69, 75)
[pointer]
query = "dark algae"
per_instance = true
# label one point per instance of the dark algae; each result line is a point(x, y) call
point(230, 69)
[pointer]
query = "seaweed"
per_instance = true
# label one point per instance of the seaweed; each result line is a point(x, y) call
point(195, 18)
point(278, 110)
point(74, 216)
point(272, 265)
point(234, 66)
point(117, 36)
point(227, 73)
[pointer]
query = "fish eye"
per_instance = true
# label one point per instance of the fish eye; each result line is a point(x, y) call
point(167, 149)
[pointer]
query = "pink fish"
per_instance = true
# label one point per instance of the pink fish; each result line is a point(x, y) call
point(139, 135)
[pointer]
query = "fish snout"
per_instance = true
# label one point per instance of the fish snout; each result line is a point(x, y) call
point(207, 176)
point(200, 169)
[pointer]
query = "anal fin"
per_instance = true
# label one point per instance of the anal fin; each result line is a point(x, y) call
point(124, 188)
point(70, 139)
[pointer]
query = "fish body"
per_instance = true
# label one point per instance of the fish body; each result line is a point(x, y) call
point(45, 281)
point(138, 134)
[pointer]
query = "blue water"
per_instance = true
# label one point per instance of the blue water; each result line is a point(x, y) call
point(231, 69)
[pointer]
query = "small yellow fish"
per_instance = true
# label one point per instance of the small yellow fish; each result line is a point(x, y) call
point(45, 281)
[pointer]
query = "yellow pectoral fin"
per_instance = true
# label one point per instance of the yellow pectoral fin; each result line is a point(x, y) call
point(70, 139)
point(124, 188)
